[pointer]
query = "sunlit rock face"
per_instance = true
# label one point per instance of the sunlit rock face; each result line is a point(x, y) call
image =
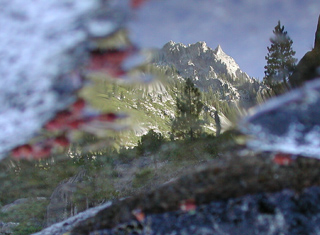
point(42, 43)
point(199, 60)
point(289, 124)
point(211, 70)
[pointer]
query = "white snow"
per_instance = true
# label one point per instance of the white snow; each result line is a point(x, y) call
point(302, 135)
point(41, 42)
point(231, 64)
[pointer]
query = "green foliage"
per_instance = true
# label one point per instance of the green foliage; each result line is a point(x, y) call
point(126, 154)
point(201, 149)
point(212, 98)
point(280, 60)
point(151, 142)
point(187, 123)
point(106, 168)
point(143, 177)
point(103, 177)
point(26, 228)
point(29, 179)
point(30, 216)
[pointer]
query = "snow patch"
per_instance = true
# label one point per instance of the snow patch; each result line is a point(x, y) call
point(41, 43)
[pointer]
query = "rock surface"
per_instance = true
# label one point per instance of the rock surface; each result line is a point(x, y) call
point(211, 69)
point(289, 124)
point(207, 62)
point(7, 228)
point(236, 193)
point(68, 224)
point(284, 212)
point(308, 67)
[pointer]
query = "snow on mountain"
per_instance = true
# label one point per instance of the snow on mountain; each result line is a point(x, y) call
point(231, 65)
point(211, 70)
point(199, 61)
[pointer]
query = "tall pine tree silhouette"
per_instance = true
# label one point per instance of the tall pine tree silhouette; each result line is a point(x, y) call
point(280, 60)
point(187, 123)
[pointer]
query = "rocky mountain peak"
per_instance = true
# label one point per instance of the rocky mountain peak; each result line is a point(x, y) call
point(210, 69)
point(219, 50)
point(201, 45)
point(199, 61)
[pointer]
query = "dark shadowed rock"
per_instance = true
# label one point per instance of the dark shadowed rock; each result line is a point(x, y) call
point(289, 124)
point(7, 228)
point(251, 195)
point(258, 214)
point(308, 67)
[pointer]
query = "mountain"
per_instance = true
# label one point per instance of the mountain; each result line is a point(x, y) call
point(211, 70)
point(200, 61)
point(225, 88)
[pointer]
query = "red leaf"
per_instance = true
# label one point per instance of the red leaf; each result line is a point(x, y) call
point(282, 159)
point(115, 57)
point(60, 121)
point(62, 141)
point(23, 151)
point(110, 61)
point(138, 213)
point(29, 152)
point(116, 72)
point(78, 106)
point(54, 125)
point(40, 152)
point(63, 116)
point(66, 120)
point(107, 117)
point(137, 3)
point(188, 205)
point(75, 124)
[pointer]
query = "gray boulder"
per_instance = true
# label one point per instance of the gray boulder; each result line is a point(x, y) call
point(308, 67)
point(63, 202)
point(7, 228)
point(288, 124)
point(247, 194)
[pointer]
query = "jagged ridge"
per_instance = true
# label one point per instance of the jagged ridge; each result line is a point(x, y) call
point(152, 106)
point(207, 62)
point(211, 70)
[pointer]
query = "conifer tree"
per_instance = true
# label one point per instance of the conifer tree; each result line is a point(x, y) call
point(218, 123)
point(280, 60)
point(187, 123)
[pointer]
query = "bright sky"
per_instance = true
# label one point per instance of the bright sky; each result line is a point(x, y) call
point(241, 27)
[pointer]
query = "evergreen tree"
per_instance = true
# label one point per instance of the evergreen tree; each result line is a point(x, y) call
point(218, 123)
point(280, 60)
point(187, 123)
point(151, 142)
